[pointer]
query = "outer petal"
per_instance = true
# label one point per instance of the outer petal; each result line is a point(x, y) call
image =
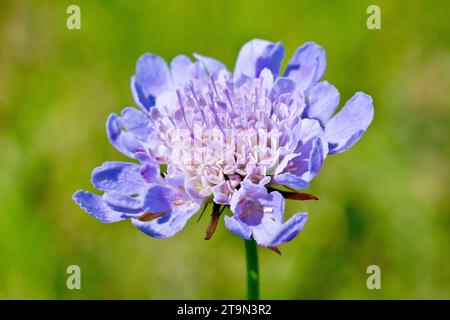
point(296, 170)
point(169, 224)
point(256, 55)
point(152, 73)
point(96, 207)
point(237, 227)
point(114, 133)
point(212, 65)
point(123, 177)
point(135, 122)
point(158, 199)
point(274, 235)
point(122, 203)
point(307, 65)
point(290, 180)
point(349, 124)
point(179, 68)
point(126, 142)
point(150, 172)
point(323, 101)
point(142, 100)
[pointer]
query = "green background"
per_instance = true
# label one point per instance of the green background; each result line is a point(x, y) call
point(384, 202)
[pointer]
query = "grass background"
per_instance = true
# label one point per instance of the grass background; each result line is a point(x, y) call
point(384, 202)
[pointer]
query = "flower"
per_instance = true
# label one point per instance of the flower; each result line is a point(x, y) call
point(227, 138)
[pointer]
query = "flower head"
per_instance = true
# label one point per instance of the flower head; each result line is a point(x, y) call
point(225, 137)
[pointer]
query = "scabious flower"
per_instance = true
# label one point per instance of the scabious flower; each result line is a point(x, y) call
point(234, 139)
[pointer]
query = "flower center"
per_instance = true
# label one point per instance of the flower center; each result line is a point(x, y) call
point(222, 131)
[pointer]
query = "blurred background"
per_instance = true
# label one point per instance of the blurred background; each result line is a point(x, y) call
point(383, 202)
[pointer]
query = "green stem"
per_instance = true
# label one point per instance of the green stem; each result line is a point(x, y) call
point(251, 254)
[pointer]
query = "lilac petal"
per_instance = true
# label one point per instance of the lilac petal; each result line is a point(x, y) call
point(237, 227)
point(212, 65)
point(152, 74)
point(142, 100)
point(179, 67)
point(290, 180)
point(281, 86)
point(123, 177)
point(96, 207)
point(304, 165)
point(250, 191)
point(170, 223)
point(198, 74)
point(243, 79)
point(193, 187)
point(310, 129)
point(256, 55)
point(145, 158)
point(222, 193)
point(150, 173)
point(131, 143)
point(271, 59)
point(122, 203)
point(273, 206)
point(114, 132)
point(158, 199)
point(175, 177)
point(349, 124)
point(125, 142)
point(136, 122)
point(323, 101)
point(307, 65)
point(273, 234)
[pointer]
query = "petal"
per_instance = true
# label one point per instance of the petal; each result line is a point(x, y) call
point(212, 65)
point(96, 207)
point(237, 227)
point(122, 203)
point(158, 199)
point(323, 101)
point(131, 144)
point(307, 65)
point(169, 224)
point(273, 206)
point(115, 135)
point(271, 234)
point(281, 86)
point(247, 190)
point(256, 55)
point(305, 164)
point(310, 129)
point(198, 74)
point(222, 193)
point(142, 100)
point(193, 187)
point(136, 122)
point(123, 177)
point(150, 172)
point(290, 180)
point(267, 79)
point(348, 125)
point(152, 75)
point(179, 67)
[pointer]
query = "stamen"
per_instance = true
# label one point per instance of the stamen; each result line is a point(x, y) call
point(197, 103)
point(184, 113)
point(215, 115)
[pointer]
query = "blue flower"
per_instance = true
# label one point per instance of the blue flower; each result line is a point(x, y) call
point(227, 138)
